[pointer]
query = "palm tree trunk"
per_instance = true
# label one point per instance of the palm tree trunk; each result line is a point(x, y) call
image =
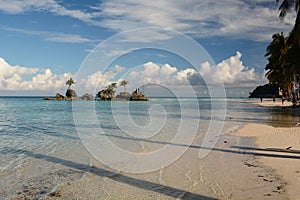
point(297, 29)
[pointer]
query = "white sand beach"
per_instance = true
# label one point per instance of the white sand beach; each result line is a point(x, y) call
point(256, 162)
point(270, 103)
point(277, 147)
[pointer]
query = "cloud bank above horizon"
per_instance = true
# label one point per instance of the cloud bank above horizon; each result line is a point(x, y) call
point(233, 74)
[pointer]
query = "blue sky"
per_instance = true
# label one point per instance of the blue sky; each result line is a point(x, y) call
point(42, 36)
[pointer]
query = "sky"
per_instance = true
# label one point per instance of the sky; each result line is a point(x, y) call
point(168, 43)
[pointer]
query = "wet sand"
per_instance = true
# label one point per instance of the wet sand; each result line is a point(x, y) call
point(228, 172)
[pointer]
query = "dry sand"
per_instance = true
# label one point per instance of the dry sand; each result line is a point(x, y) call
point(278, 148)
point(270, 103)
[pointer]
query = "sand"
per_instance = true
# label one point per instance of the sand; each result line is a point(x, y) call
point(255, 162)
point(228, 172)
point(278, 148)
point(271, 103)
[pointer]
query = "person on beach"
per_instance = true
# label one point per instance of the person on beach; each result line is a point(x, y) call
point(261, 98)
point(274, 98)
point(282, 99)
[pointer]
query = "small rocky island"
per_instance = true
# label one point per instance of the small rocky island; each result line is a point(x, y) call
point(107, 94)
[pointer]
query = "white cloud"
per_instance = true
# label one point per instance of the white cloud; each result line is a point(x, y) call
point(12, 79)
point(23, 6)
point(7, 70)
point(253, 20)
point(52, 36)
point(151, 73)
point(119, 68)
point(94, 82)
point(145, 35)
point(231, 71)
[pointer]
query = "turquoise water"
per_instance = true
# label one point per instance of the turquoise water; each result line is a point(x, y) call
point(40, 147)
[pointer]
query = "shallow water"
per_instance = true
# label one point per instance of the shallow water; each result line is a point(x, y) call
point(40, 147)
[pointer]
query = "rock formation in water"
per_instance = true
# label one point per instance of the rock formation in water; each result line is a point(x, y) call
point(71, 94)
point(138, 96)
point(87, 97)
point(123, 96)
point(59, 97)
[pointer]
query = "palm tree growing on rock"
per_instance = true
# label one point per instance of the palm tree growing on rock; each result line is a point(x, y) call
point(70, 82)
point(111, 88)
point(108, 93)
point(124, 83)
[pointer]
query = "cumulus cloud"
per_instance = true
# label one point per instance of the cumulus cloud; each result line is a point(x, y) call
point(12, 78)
point(15, 78)
point(119, 68)
point(94, 82)
point(152, 73)
point(8, 70)
point(231, 72)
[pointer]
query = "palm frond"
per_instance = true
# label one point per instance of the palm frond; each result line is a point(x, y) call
point(286, 6)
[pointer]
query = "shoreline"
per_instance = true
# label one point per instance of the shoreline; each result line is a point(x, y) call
point(276, 147)
point(238, 166)
point(269, 103)
point(245, 169)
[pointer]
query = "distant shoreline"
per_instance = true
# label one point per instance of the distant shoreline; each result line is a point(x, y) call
point(156, 97)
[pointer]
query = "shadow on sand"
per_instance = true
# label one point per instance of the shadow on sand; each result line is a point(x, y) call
point(151, 186)
point(142, 184)
point(232, 149)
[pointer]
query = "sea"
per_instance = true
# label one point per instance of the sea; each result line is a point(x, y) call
point(44, 144)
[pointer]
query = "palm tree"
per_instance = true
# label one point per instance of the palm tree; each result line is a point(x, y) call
point(70, 82)
point(284, 8)
point(283, 52)
point(124, 83)
point(108, 93)
point(110, 89)
point(114, 85)
point(278, 70)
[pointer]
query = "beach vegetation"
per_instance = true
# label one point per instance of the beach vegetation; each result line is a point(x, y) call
point(278, 69)
point(282, 53)
point(70, 82)
point(108, 93)
point(124, 83)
